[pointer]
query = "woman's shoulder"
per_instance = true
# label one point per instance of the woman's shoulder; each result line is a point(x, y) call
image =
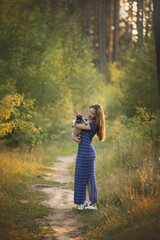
point(92, 122)
point(93, 126)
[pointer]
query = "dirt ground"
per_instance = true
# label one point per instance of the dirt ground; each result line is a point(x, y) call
point(60, 198)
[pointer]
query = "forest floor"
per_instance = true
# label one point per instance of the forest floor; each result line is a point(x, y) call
point(59, 197)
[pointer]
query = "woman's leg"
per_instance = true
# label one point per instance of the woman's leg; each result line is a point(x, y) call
point(88, 191)
point(88, 197)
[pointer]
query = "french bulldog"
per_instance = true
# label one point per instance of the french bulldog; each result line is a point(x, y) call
point(79, 119)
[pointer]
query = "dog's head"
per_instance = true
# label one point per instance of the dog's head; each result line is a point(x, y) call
point(79, 116)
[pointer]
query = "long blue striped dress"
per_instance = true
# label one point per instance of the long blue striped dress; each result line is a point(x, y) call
point(85, 166)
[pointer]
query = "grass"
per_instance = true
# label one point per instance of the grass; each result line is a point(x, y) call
point(119, 223)
point(20, 205)
point(128, 180)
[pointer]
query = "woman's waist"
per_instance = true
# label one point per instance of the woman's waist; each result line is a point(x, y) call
point(86, 146)
point(84, 153)
point(85, 143)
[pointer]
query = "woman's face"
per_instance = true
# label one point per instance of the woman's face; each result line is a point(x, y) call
point(91, 113)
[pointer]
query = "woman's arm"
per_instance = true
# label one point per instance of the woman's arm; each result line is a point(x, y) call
point(76, 139)
point(82, 126)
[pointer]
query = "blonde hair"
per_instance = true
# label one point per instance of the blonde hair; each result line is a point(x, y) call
point(99, 121)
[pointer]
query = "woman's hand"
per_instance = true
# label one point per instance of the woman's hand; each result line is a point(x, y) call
point(76, 139)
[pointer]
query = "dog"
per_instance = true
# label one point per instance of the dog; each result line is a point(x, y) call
point(79, 119)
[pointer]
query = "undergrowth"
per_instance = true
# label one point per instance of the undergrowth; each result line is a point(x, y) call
point(128, 180)
point(20, 204)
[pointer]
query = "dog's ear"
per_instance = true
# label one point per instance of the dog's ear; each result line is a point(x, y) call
point(75, 112)
point(82, 112)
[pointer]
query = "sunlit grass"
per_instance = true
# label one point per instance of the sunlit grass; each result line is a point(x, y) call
point(20, 205)
point(125, 210)
point(128, 180)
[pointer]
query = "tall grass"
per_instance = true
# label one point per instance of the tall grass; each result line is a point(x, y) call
point(128, 177)
point(19, 203)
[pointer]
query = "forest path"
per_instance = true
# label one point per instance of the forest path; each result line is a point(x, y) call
point(60, 197)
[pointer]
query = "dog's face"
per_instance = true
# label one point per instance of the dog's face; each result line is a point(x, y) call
point(79, 118)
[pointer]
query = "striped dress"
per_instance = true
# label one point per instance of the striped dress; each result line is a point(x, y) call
point(85, 166)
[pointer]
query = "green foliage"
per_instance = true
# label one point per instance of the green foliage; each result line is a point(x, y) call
point(16, 119)
point(113, 92)
point(134, 82)
point(55, 68)
point(40, 61)
point(133, 137)
point(139, 85)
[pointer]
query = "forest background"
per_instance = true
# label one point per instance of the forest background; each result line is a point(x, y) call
point(57, 56)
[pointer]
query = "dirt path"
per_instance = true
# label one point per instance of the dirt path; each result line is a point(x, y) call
point(60, 198)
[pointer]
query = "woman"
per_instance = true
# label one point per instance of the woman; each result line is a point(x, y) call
point(85, 189)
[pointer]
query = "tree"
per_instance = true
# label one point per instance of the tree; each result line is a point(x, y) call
point(140, 20)
point(101, 27)
point(156, 16)
point(110, 29)
point(116, 30)
point(87, 11)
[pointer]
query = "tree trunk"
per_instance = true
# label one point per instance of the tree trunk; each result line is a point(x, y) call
point(95, 24)
point(110, 47)
point(87, 17)
point(156, 18)
point(116, 30)
point(101, 27)
point(149, 19)
point(140, 20)
point(131, 16)
point(147, 16)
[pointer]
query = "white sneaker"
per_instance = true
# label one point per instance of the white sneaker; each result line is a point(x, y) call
point(81, 207)
point(91, 207)
point(86, 203)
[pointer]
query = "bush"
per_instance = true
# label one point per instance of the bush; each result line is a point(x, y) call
point(16, 121)
point(130, 164)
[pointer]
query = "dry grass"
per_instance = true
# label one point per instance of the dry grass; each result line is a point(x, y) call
point(128, 179)
point(19, 204)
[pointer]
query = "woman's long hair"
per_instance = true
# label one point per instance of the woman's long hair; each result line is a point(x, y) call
point(99, 121)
